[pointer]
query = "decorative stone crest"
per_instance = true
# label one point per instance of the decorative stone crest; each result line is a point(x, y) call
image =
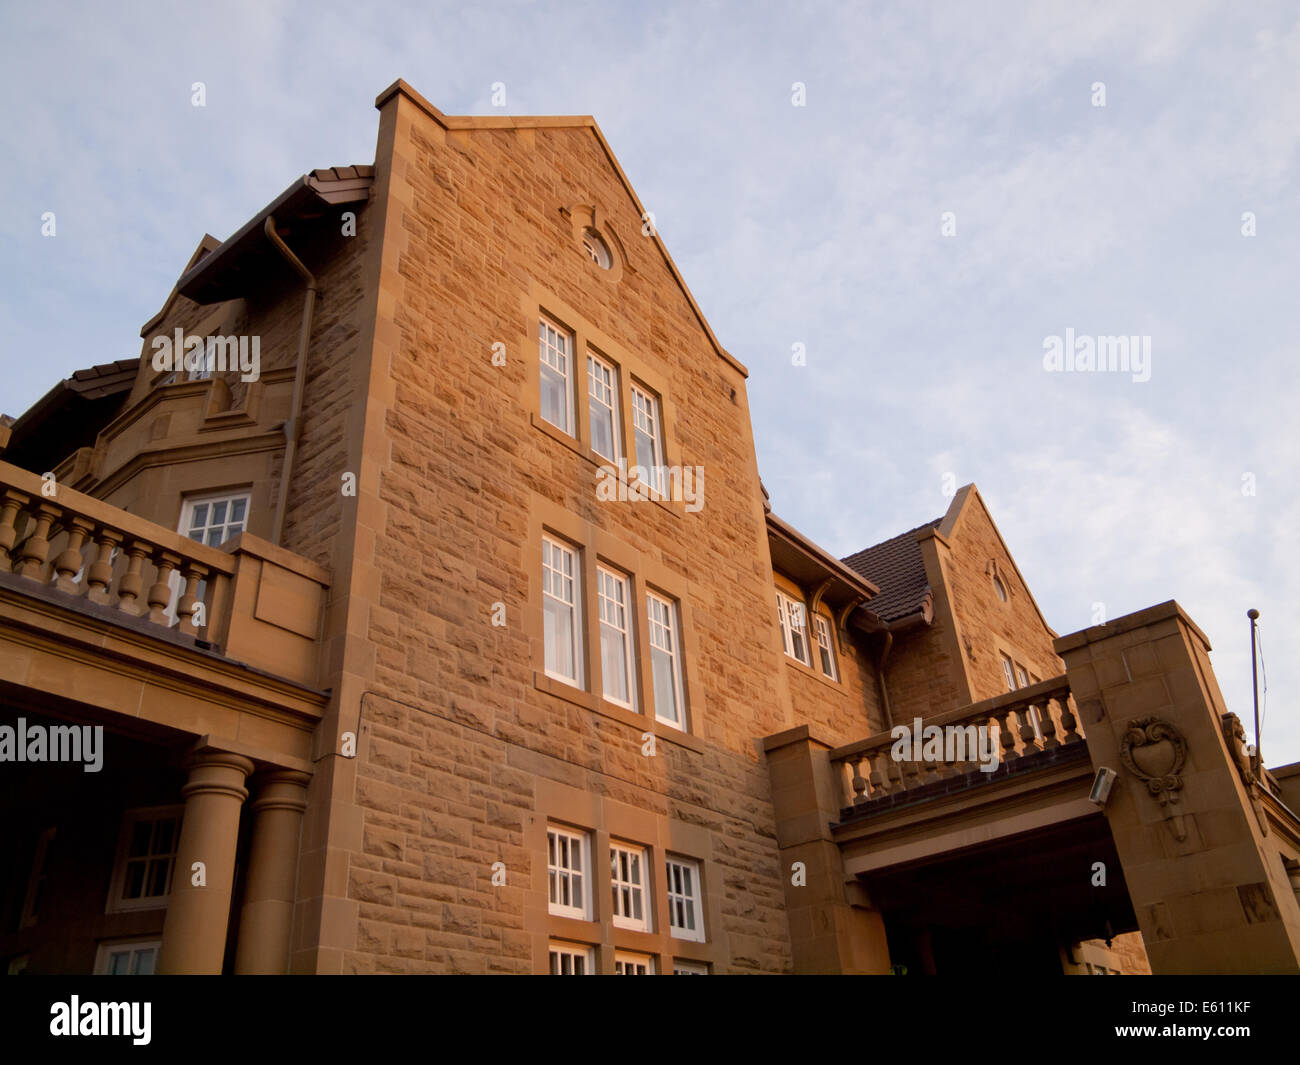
point(1154, 752)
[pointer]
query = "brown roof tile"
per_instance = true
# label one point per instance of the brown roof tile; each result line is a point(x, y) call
point(896, 566)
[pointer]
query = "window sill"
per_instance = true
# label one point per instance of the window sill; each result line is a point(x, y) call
point(677, 509)
point(640, 722)
point(815, 674)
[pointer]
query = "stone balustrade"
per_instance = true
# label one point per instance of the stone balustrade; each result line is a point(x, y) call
point(1022, 724)
point(84, 547)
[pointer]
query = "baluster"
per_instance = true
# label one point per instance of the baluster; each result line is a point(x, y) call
point(1069, 722)
point(188, 606)
point(99, 575)
point(859, 781)
point(1028, 739)
point(31, 560)
point(1008, 727)
point(11, 503)
point(160, 592)
point(879, 780)
point(1048, 724)
point(69, 562)
point(132, 583)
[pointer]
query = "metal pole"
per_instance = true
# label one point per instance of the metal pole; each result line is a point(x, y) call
point(1257, 760)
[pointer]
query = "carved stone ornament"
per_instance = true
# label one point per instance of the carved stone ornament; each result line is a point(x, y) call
point(1154, 752)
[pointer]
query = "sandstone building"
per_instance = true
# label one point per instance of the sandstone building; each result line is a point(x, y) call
point(447, 628)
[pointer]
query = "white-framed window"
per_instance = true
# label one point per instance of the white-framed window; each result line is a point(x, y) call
point(1022, 678)
point(571, 959)
point(1008, 672)
point(214, 519)
point(568, 859)
point(628, 964)
point(825, 650)
point(561, 611)
point(207, 358)
point(685, 899)
point(648, 437)
point(794, 627)
point(617, 661)
point(127, 957)
point(36, 880)
point(666, 660)
point(682, 967)
point(146, 856)
point(627, 874)
point(556, 368)
point(999, 588)
point(602, 405)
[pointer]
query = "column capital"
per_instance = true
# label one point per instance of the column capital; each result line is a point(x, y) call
point(280, 789)
point(212, 770)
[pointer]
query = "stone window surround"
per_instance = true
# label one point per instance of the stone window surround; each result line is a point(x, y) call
point(609, 820)
point(539, 303)
point(792, 590)
point(644, 573)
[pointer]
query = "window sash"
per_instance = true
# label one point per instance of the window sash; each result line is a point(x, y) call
point(127, 957)
point(566, 960)
point(685, 911)
point(566, 873)
point(555, 394)
point(146, 859)
point(561, 611)
point(628, 964)
point(665, 661)
point(617, 665)
point(794, 627)
point(647, 437)
point(1008, 671)
point(627, 866)
point(826, 651)
point(602, 403)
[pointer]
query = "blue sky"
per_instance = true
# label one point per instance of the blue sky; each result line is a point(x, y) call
point(818, 225)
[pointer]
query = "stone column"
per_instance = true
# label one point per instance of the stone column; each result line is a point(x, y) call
point(194, 933)
point(266, 917)
point(832, 929)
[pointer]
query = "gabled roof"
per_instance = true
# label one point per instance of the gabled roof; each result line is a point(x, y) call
point(897, 568)
point(69, 415)
point(472, 122)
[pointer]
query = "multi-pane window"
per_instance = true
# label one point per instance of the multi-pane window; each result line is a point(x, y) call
point(616, 657)
point(628, 964)
point(602, 404)
point(556, 348)
point(566, 869)
point(561, 612)
point(825, 652)
point(568, 959)
point(127, 958)
point(794, 627)
point(146, 857)
point(216, 519)
point(689, 968)
point(685, 909)
point(665, 659)
point(647, 437)
point(627, 872)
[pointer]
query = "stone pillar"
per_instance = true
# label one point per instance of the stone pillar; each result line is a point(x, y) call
point(833, 929)
point(194, 933)
point(1204, 873)
point(266, 918)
